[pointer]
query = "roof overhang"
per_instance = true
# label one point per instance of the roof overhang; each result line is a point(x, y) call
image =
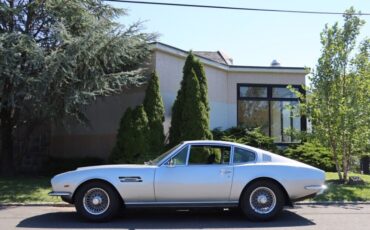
point(229, 68)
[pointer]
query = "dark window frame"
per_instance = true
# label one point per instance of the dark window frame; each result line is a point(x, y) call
point(269, 98)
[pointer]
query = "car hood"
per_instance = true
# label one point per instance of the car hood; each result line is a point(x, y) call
point(118, 166)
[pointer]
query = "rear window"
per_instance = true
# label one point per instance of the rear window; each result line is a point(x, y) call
point(243, 156)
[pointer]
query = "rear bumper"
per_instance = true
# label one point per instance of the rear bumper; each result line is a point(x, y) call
point(318, 188)
point(303, 198)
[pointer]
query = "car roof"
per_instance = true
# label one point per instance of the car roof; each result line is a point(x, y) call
point(221, 143)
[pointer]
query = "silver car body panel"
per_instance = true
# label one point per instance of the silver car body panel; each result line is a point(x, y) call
point(198, 185)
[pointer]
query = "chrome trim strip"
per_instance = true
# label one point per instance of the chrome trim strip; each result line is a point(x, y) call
point(316, 187)
point(59, 193)
point(183, 204)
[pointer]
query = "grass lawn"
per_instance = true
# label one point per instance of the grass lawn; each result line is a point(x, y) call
point(343, 192)
point(26, 190)
point(35, 189)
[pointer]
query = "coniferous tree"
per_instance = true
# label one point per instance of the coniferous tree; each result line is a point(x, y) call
point(58, 56)
point(122, 138)
point(190, 112)
point(154, 108)
point(176, 120)
point(201, 75)
point(195, 123)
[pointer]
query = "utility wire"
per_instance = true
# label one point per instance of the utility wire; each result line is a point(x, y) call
point(236, 8)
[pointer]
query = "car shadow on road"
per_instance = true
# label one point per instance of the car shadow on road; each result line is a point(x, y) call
point(165, 219)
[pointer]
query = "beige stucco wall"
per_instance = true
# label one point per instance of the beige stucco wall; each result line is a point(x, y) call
point(98, 138)
point(222, 86)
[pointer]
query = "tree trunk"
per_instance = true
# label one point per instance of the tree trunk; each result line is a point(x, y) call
point(336, 160)
point(345, 168)
point(7, 168)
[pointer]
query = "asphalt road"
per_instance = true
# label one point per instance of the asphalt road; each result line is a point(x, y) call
point(333, 217)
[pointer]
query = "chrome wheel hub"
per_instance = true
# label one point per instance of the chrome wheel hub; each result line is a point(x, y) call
point(262, 200)
point(96, 201)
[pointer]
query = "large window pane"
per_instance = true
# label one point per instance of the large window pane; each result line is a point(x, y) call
point(279, 92)
point(283, 117)
point(253, 91)
point(209, 154)
point(254, 114)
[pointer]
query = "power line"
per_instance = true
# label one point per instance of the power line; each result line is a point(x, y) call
point(236, 8)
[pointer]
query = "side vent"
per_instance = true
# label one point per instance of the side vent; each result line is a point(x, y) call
point(266, 157)
point(130, 179)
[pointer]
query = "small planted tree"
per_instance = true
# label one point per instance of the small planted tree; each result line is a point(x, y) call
point(154, 108)
point(190, 111)
point(338, 104)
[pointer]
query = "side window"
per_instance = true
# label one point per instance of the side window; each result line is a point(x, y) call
point(180, 158)
point(209, 154)
point(243, 156)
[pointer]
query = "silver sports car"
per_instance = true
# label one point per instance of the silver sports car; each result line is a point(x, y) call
point(193, 174)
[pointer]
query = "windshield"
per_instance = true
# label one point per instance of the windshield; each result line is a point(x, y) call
point(161, 157)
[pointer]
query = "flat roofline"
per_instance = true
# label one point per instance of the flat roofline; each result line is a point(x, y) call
point(232, 68)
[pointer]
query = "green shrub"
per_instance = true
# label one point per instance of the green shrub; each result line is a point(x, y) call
point(132, 138)
point(311, 153)
point(253, 137)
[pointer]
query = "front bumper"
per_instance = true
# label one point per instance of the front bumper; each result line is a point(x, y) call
point(59, 194)
point(65, 196)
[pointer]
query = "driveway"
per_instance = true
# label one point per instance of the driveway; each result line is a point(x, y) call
point(348, 217)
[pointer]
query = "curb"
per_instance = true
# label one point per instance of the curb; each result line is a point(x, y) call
point(38, 204)
point(332, 202)
point(62, 204)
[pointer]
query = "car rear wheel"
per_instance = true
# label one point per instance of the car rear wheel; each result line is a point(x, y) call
point(262, 200)
point(97, 201)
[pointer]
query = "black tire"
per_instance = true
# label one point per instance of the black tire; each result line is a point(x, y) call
point(110, 202)
point(262, 201)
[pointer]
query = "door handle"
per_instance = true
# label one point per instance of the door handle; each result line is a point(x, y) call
point(225, 171)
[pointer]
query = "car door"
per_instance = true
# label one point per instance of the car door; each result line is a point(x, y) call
point(197, 173)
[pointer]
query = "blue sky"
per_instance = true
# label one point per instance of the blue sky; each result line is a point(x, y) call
point(251, 38)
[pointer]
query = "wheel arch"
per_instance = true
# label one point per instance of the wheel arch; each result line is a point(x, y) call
point(97, 180)
point(286, 196)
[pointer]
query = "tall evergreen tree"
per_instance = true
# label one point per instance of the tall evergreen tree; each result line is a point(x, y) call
point(201, 75)
point(132, 138)
point(57, 56)
point(153, 105)
point(175, 129)
point(185, 100)
point(195, 123)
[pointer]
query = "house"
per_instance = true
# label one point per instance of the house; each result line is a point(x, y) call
point(238, 95)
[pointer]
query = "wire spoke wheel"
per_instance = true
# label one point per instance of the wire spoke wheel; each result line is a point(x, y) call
point(96, 201)
point(262, 200)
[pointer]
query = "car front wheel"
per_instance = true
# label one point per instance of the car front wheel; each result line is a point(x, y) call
point(97, 201)
point(263, 200)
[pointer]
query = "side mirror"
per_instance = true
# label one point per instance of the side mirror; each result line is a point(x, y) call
point(171, 163)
